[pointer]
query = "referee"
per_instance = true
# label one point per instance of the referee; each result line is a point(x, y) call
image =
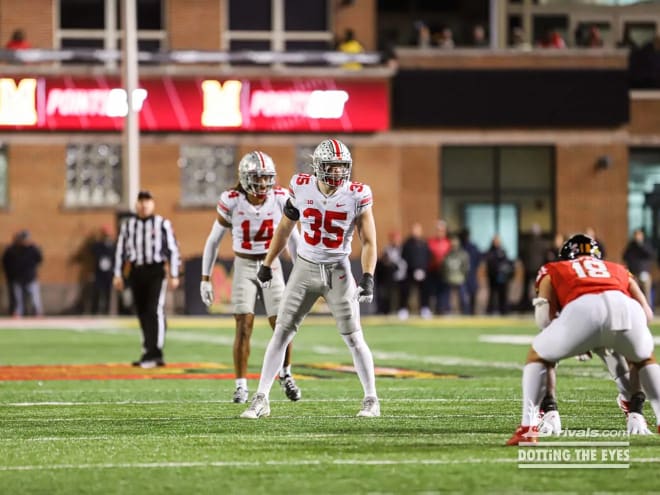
point(146, 244)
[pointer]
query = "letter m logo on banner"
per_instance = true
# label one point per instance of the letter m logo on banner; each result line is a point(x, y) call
point(222, 104)
point(18, 102)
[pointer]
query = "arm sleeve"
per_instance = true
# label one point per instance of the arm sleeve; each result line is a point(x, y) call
point(119, 251)
point(175, 259)
point(541, 312)
point(211, 248)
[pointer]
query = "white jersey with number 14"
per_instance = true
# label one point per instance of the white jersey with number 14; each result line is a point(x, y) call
point(327, 222)
point(252, 226)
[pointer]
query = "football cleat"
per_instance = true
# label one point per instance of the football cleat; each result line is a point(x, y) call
point(524, 434)
point(636, 424)
point(290, 388)
point(370, 408)
point(240, 396)
point(259, 408)
point(550, 424)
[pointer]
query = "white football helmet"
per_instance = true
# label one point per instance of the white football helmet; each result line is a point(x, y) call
point(326, 160)
point(256, 173)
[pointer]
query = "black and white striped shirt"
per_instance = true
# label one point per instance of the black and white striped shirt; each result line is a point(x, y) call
point(147, 241)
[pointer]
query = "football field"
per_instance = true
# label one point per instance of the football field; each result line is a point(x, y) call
point(75, 418)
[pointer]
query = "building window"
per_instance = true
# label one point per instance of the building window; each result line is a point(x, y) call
point(93, 175)
point(501, 189)
point(276, 25)
point(98, 24)
point(644, 193)
point(4, 202)
point(206, 171)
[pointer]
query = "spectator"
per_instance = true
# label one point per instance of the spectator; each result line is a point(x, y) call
point(479, 39)
point(500, 273)
point(103, 249)
point(594, 37)
point(533, 257)
point(415, 252)
point(471, 281)
point(351, 46)
point(552, 39)
point(20, 261)
point(552, 253)
point(424, 38)
point(444, 39)
point(455, 268)
point(18, 41)
point(390, 275)
point(519, 39)
point(439, 246)
point(639, 257)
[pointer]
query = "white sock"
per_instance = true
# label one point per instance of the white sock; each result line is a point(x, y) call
point(273, 359)
point(649, 377)
point(241, 382)
point(534, 382)
point(286, 370)
point(363, 361)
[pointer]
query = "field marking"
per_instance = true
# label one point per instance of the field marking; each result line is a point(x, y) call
point(259, 464)
point(518, 339)
point(256, 464)
point(462, 400)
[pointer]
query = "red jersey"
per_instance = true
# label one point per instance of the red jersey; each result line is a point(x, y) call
point(584, 275)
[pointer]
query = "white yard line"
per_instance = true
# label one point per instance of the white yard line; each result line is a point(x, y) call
point(257, 464)
point(518, 339)
point(289, 463)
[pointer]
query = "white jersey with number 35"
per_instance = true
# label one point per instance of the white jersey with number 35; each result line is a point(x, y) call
point(252, 226)
point(327, 222)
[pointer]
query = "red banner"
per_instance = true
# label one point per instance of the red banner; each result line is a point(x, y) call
point(196, 104)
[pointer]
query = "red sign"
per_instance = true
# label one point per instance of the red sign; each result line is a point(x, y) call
point(199, 104)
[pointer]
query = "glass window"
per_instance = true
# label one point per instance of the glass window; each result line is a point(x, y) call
point(206, 171)
point(279, 25)
point(82, 14)
point(644, 192)
point(639, 33)
point(82, 25)
point(93, 175)
point(150, 14)
point(305, 15)
point(254, 15)
point(503, 189)
point(4, 201)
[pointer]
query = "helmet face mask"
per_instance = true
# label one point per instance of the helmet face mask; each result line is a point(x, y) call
point(256, 173)
point(332, 162)
point(579, 245)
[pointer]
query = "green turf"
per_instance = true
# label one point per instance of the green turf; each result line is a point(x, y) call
point(183, 436)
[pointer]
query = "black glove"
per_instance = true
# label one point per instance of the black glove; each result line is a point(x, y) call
point(265, 275)
point(365, 290)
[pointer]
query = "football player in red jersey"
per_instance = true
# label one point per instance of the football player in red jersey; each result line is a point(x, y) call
point(600, 306)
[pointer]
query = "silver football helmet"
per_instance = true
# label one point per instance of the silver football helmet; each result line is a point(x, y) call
point(332, 162)
point(256, 173)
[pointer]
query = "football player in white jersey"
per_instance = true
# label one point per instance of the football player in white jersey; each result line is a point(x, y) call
point(252, 211)
point(329, 207)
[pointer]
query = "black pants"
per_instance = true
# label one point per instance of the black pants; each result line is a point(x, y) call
point(149, 289)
